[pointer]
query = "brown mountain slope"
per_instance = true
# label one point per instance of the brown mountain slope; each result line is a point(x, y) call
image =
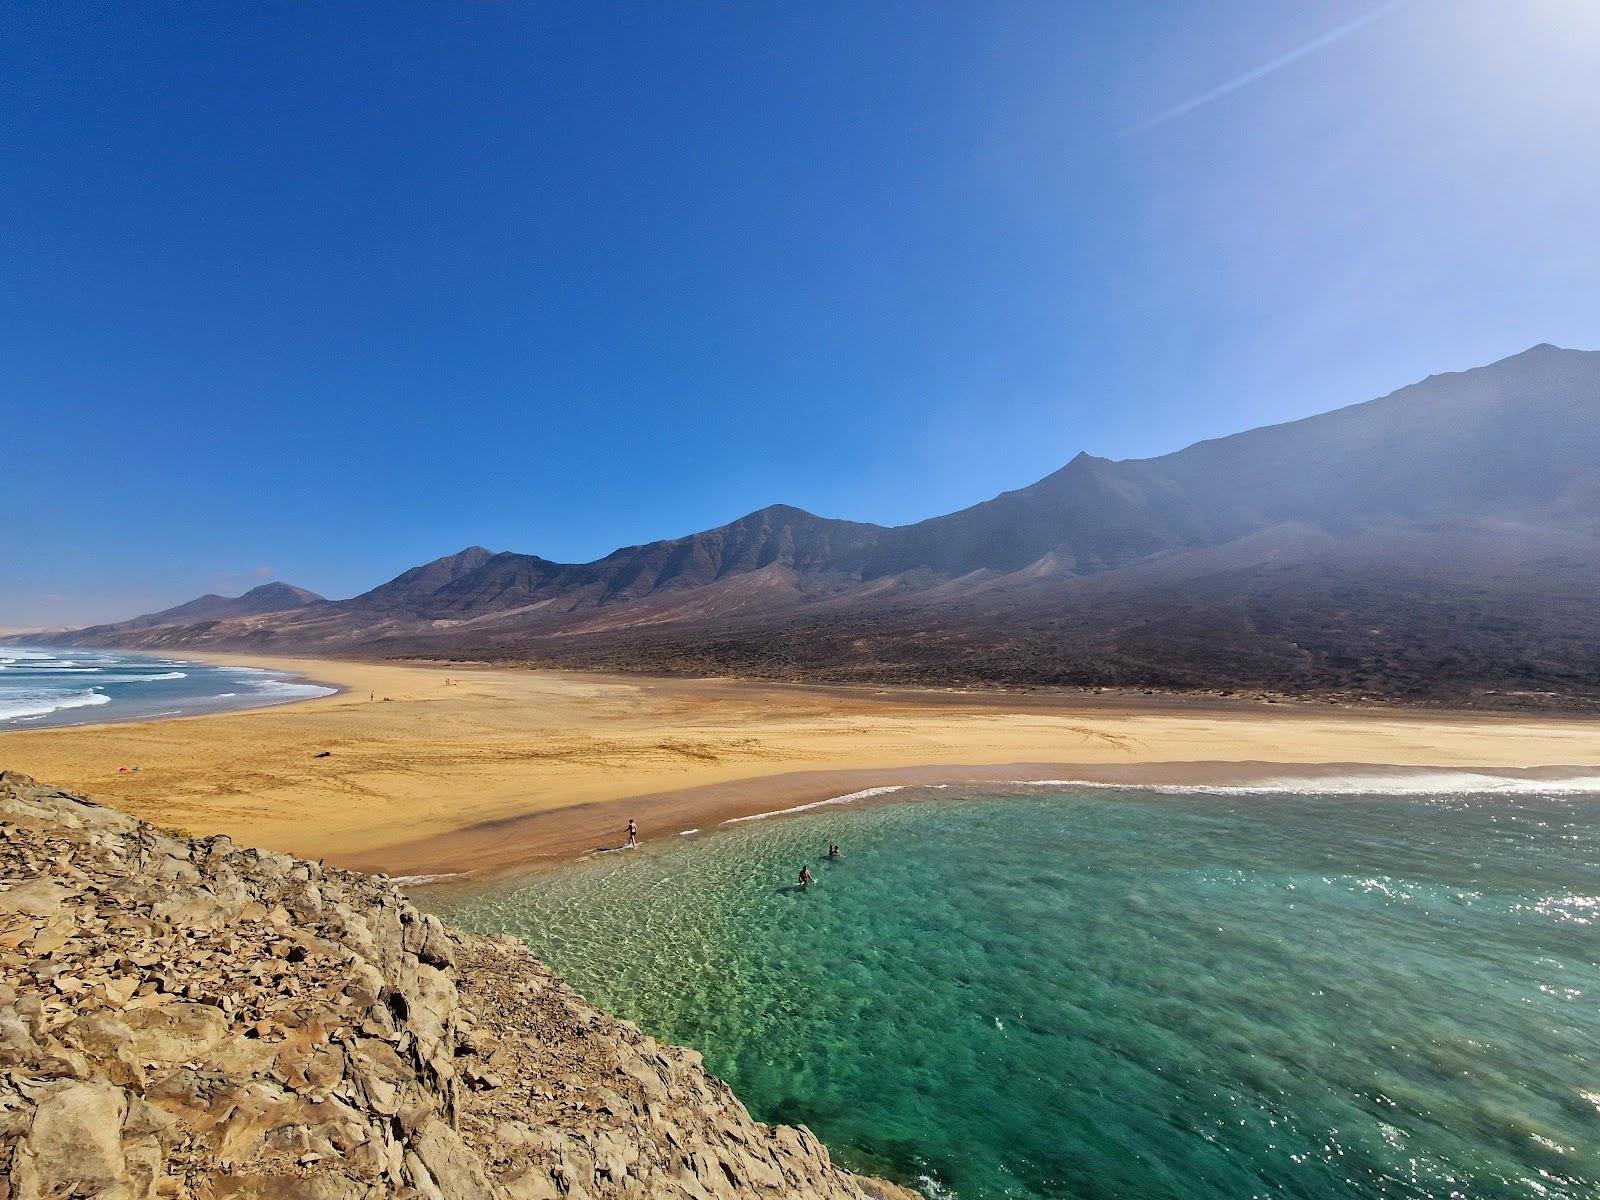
point(1311, 616)
point(268, 598)
point(1436, 543)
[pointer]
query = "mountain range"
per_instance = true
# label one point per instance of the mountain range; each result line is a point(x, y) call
point(1439, 544)
point(268, 598)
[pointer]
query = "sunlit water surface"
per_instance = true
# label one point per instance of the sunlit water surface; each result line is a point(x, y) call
point(41, 687)
point(1116, 993)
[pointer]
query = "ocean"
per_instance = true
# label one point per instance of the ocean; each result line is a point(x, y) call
point(1064, 991)
point(42, 687)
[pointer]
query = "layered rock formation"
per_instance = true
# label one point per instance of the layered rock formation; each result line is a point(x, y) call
point(186, 1018)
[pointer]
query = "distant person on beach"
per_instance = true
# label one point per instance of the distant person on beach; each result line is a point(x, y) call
point(805, 876)
point(633, 832)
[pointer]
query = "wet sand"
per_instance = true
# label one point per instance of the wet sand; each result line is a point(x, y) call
point(476, 768)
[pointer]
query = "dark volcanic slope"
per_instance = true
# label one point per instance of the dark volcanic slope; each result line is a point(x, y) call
point(1441, 542)
point(476, 582)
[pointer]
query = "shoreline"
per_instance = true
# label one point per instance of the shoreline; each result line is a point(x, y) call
point(498, 1059)
point(484, 768)
point(494, 851)
point(197, 706)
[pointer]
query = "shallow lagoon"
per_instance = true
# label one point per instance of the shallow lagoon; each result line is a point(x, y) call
point(1110, 992)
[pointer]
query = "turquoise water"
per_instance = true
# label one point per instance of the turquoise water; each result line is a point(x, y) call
point(1110, 993)
point(42, 687)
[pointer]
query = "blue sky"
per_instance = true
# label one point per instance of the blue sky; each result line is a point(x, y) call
point(320, 292)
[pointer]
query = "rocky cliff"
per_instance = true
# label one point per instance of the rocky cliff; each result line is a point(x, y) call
point(185, 1018)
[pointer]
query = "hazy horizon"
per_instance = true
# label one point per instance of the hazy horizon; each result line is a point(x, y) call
point(317, 296)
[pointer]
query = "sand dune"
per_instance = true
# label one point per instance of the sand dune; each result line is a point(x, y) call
point(498, 766)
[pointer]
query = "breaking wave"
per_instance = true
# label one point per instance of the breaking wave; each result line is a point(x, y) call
point(283, 689)
point(37, 685)
point(1420, 783)
point(22, 705)
point(142, 678)
point(849, 798)
point(1375, 783)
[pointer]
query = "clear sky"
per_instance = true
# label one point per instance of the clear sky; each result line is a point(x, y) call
point(318, 292)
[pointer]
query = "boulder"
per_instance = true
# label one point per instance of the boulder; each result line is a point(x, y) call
point(73, 1144)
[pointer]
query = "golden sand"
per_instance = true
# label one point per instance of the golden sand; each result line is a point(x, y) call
point(468, 768)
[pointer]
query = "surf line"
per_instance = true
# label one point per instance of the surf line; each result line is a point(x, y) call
point(864, 794)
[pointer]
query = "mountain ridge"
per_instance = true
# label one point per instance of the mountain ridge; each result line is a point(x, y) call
point(1465, 468)
point(265, 598)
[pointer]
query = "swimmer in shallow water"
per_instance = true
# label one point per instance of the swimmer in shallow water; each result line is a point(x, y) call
point(805, 876)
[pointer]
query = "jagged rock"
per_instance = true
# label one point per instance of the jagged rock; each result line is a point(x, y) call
point(73, 1143)
point(189, 1020)
point(34, 898)
point(457, 1171)
point(426, 938)
point(175, 1033)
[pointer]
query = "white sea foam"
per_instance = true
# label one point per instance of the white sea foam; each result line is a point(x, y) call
point(21, 673)
point(37, 703)
point(419, 880)
point(849, 798)
point(38, 683)
point(1376, 783)
point(283, 689)
point(143, 678)
point(11, 654)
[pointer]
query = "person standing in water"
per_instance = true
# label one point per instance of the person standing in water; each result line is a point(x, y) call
point(805, 876)
point(633, 832)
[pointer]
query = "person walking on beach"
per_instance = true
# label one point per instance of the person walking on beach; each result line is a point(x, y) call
point(633, 832)
point(805, 876)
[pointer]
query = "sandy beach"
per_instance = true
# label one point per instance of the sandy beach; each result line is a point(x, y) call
point(445, 768)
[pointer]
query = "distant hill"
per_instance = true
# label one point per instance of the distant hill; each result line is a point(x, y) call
point(1440, 543)
point(268, 598)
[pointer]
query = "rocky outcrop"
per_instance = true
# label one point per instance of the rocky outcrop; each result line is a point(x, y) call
point(185, 1018)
